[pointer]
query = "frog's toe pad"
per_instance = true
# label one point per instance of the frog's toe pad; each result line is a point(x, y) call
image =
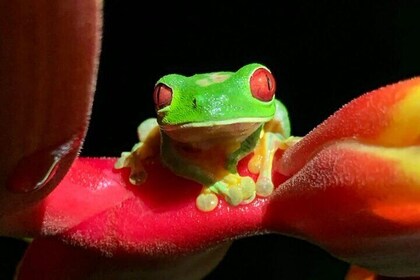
point(207, 202)
point(243, 193)
point(138, 177)
point(248, 190)
point(234, 195)
point(122, 161)
point(264, 187)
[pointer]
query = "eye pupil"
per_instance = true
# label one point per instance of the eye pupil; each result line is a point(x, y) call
point(268, 82)
point(162, 96)
point(263, 85)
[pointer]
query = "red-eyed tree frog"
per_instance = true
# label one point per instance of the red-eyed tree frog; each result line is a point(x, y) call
point(205, 124)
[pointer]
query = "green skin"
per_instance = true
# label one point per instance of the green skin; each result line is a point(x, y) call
point(212, 122)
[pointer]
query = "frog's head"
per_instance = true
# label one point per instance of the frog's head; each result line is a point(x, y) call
point(223, 100)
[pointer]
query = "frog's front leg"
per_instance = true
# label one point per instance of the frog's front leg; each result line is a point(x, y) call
point(262, 162)
point(275, 135)
point(209, 171)
point(149, 136)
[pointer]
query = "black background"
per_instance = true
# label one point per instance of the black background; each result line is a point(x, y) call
point(322, 53)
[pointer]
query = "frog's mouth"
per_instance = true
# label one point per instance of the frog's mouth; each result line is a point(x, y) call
point(214, 131)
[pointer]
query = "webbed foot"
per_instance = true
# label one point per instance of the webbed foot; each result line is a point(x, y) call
point(137, 172)
point(234, 188)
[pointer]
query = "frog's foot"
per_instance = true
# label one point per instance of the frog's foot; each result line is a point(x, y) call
point(149, 135)
point(262, 161)
point(234, 188)
point(264, 186)
point(137, 173)
point(207, 200)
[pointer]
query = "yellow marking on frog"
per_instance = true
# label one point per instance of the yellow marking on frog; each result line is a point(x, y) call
point(404, 127)
point(232, 179)
point(213, 78)
point(254, 165)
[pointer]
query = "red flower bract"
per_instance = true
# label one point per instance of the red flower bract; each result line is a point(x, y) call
point(352, 187)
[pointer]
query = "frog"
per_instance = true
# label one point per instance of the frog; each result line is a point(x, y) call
point(205, 124)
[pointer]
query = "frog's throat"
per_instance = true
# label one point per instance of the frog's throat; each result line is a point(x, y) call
point(215, 123)
point(210, 135)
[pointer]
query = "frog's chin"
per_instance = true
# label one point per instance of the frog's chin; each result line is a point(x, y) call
point(225, 122)
point(210, 124)
point(215, 131)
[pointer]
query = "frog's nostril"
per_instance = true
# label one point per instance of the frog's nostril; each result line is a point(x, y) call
point(194, 102)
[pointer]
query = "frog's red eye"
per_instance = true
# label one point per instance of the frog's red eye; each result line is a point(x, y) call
point(162, 96)
point(263, 85)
